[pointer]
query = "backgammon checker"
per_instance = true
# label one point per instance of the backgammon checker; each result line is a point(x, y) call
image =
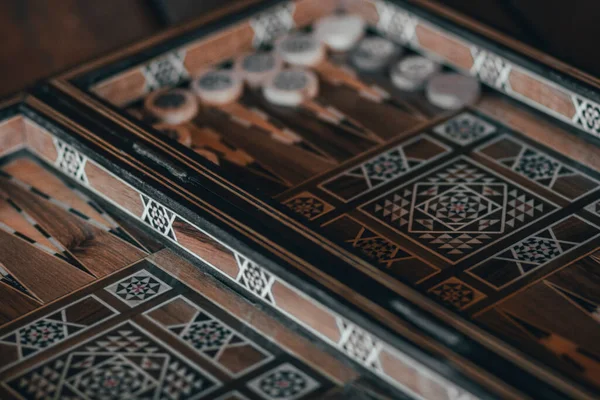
point(305, 50)
point(291, 87)
point(436, 233)
point(301, 49)
point(452, 91)
point(412, 72)
point(374, 53)
point(257, 68)
point(340, 32)
point(172, 106)
point(218, 87)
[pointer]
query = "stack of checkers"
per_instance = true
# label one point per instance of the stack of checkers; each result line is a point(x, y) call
point(284, 74)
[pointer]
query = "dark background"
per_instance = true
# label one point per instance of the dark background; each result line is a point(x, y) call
point(42, 37)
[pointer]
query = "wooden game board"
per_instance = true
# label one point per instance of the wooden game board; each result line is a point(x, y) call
point(94, 306)
point(342, 217)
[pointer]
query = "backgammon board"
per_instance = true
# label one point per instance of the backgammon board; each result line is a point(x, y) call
point(232, 167)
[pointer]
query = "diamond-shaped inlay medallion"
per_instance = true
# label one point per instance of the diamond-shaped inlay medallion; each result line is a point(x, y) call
point(159, 217)
point(491, 69)
point(308, 205)
point(394, 22)
point(138, 288)
point(464, 129)
point(285, 382)
point(70, 161)
point(536, 250)
point(255, 278)
point(587, 115)
point(458, 209)
point(536, 166)
point(166, 71)
point(272, 23)
point(456, 293)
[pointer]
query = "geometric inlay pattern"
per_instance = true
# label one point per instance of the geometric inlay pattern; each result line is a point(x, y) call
point(464, 129)
point(158, 217)
point(210, 336)
point(587, 115)
point(70, 161)
point(358, 344)
point(491, 69)
point(457, 209)
point(138, 288)
point(537, 166)
point(273, 23)
point(399, 25)
point(54, 328)
point(394, 22)
point(385, 167)
point(456, 293)
point(381, 252)
point(166, 71)
point(534, 252)
point(286, 382)
point(308, 205)
point(594, 208)
point(378, 248)
point(125, 362)
point(254, 278)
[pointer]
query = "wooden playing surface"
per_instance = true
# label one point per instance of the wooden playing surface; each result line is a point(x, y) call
point(92, 306)
point(482, 218)
point(488, 217)
point(473, 208)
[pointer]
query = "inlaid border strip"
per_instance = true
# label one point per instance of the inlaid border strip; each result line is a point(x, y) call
point(389, 18)
point(358, 344)
point(404, 27)
point(179, 63)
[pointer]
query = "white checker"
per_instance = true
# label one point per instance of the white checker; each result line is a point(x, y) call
point(301, 49)
point(257, 68)
point(218, 87)
point(412, 72)
point(291, 87)
point(340, 32)
point(374, 53)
